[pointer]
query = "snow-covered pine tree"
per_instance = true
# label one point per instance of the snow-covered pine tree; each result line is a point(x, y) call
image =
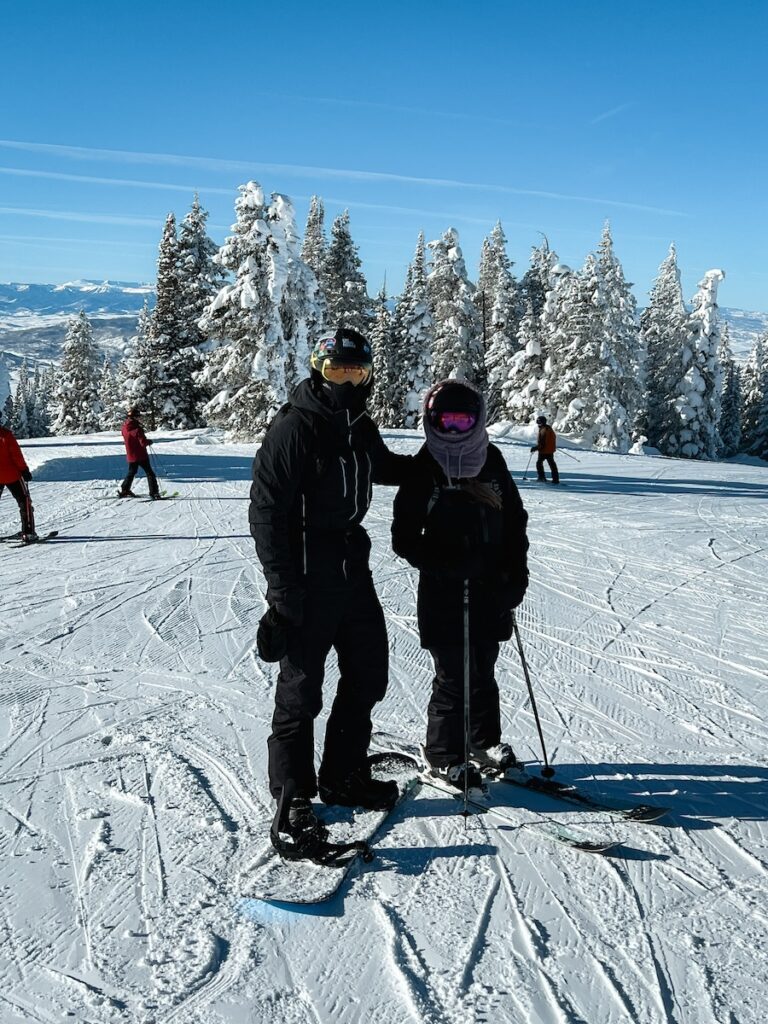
point(249, 372)
point(75, 401)
point(6, 414)
point(295, 290)
point(621, 358)
point(497, 303)
point(458, 345)
point(524, 390)
point(176, 358)
point(755, 399)
point(5, 388)
point(579, 394)
point(697, 395)
point(381, 405)
point(729, 427)
point(113, 407)
point(413, 340)
point(343, 282)
point(200, 277)
point(314, 248)
point(136, 376)
point(22, 403)
point(39, 397)
point(663, 332)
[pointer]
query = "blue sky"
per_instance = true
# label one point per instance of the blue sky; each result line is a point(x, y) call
point(552, 117)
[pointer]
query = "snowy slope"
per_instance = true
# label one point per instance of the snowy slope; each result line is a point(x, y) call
point(133, 796)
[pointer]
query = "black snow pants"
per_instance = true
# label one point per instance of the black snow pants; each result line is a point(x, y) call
point(20, 491)
point(349, 619)
point(133, 468)
point(445, 714)
point(550, 459)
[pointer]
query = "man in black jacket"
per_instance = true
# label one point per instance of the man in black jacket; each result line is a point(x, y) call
point(312, 480)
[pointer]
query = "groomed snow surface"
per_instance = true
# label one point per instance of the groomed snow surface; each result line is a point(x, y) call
point(134, 799)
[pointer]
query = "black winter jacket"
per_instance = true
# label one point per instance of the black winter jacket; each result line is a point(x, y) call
point(450, 536)
point(312, 479)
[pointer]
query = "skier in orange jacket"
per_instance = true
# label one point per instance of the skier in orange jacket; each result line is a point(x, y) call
point(15, 475)
point(546, 446)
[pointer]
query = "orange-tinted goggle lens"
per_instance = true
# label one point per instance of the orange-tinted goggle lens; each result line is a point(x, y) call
point(336, 372)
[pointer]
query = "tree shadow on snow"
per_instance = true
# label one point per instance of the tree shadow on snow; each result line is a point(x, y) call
point(178, 469)
point(594, 483)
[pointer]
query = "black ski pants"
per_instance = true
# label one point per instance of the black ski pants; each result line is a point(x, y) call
point(20, 491)
point(133, 468)
point(550, 459)
point(445, 714)
point(350, 620)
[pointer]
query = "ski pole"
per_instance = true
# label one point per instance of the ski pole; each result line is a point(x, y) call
point(547, 771)
point(526, 468)
point(563, 451)
point(466, 699)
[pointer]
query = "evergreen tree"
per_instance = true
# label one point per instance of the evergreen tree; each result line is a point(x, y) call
point(497, 303)
point(755, 399)
point(199, 276)
point(381, 404)
point(523, 391)
point(622, 365)
point(729, 427)
point(39, 398)
point(136, 378)
point(537, 281)
point(458, 348)
point(5, 387)
point(697, 394)
point(113, 408)
point(663, 331)
point(261, 320)
point(579, 392)
point(295, 289)
point(343, 281)
point(22, 405)
point(314, 249)
point(76, 404)
point(414, 333)
point(176, 360)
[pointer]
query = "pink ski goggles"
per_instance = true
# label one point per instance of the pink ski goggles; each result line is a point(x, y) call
point(453, 422)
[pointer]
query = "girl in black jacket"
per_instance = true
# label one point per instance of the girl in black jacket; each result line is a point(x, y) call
point(461, 519)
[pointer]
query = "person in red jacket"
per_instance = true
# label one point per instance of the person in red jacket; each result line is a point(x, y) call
point(15, 475)
point(546, 445)
point(137, 453)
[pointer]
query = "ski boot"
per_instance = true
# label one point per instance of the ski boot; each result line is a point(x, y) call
point(359, 789)
point(497, 758)
point(458, 777)
point(126, 494)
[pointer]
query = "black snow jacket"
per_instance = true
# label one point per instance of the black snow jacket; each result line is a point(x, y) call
point(312, 479)
point(449, 536)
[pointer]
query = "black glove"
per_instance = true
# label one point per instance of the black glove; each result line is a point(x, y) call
point(272, 636)
point(27, 474)
point(289, 603)
point(533, 449)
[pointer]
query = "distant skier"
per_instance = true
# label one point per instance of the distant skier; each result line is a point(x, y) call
point(461, 519)
point(137, 453)
point(15, 475)
point(546, 445)
point(312, 479)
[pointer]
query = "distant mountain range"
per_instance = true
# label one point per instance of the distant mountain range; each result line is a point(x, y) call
point(33, 317)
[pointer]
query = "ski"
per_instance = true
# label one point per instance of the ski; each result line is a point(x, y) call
point(643, 813)
point(164, 496)
point(28, 543)
point(566, 835)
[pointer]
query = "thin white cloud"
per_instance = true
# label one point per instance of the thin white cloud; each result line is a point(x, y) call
point(611, 113)
point(87, 179)
point(308, 171)
point(50, 241)
point(85, 218)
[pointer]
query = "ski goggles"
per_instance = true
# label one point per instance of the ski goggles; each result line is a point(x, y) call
point(335, 371)
point(454, 422)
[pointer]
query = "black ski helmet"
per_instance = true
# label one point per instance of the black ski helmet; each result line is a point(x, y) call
point(454, 396)
point(347, 345)
point(541, 421)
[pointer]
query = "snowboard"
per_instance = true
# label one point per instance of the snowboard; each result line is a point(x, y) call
point(277, 880)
